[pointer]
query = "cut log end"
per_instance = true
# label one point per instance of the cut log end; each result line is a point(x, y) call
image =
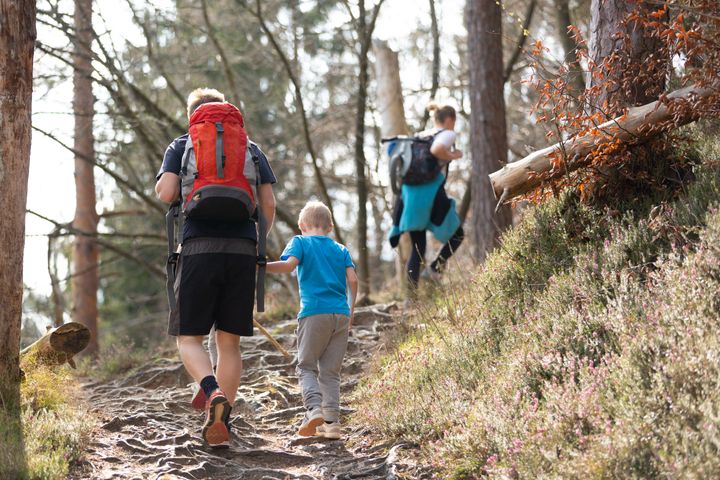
point(59, 345)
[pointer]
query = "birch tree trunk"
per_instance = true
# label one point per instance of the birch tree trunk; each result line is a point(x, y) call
point(393, 122)
point(488, 138)
point(17, 43)
point(85, 249)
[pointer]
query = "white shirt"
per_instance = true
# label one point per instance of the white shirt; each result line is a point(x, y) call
point(446, 137)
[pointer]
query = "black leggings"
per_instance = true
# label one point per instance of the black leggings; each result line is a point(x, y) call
point(417, 256)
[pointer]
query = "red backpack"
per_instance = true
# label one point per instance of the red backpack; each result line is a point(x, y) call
point(219, 175)
point(218, 182)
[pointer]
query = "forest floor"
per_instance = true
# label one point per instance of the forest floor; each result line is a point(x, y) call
point(148, 429)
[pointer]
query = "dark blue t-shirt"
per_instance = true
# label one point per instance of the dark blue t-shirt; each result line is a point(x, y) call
point(194, 228)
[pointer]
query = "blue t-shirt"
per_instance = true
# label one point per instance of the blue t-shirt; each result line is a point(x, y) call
point(321, 274)
point(172, 162)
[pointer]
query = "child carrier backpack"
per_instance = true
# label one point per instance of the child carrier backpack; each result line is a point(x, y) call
point(219, 176)
point(411, 162)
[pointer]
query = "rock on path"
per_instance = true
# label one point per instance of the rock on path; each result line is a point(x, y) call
point(149, 430)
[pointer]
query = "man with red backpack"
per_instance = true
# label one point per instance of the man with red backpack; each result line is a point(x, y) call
point(220, 187)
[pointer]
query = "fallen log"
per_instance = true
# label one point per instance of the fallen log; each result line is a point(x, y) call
point(59, 345)
point(638, 124)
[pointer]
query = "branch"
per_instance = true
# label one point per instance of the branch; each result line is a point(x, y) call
point(229, 75)
point(153, 59)
point(118, 179)
point(521, 41)
point(301, 106)
point(103, 243)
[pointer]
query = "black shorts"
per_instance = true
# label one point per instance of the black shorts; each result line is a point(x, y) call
point(214, 285)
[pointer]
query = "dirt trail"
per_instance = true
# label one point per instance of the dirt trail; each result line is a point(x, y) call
point(150, 431)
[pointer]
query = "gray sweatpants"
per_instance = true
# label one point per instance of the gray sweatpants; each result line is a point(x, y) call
point(322, 341)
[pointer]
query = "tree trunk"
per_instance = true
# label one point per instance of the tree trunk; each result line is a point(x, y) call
point(17, 43)
point(392, 114)
point(435, 30)
point(637, 76)
point(638, 124)
point(562, 16)
point(365, 32)
point(488, 140)
point(85, 249)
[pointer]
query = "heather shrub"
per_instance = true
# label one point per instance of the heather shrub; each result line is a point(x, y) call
point(52, 429)
point(585, 347)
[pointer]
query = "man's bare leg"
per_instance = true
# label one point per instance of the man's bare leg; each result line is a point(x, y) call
point(197, 362)
point(212, 347)
point(229, 363)
point(194, 356)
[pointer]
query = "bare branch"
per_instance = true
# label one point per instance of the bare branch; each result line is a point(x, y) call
point(103, 243)
point(301, 107)
point(108, 170)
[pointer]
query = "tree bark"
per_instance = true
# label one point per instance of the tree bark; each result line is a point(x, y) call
point(85, 249)
point(17, 43)
point(638, 124)
point(637, 77)
point(365, 31)
point(488, 138)
point(392, 115)
point(564, 20)
point(435, 30)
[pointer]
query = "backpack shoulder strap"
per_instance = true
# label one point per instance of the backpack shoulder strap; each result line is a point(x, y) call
point(186, 156)
point(262, 235)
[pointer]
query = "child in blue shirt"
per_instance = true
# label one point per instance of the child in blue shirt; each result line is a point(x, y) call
point(325, 271)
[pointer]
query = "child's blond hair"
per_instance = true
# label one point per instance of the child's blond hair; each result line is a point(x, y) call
point(202, 95)
point(316, 215)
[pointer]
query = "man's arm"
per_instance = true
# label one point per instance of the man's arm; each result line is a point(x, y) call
point(352, 280)
point(283, 266)
point(167, 187)
point(266, 197)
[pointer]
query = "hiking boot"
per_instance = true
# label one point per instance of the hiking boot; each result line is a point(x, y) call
point(330, 430)
point(215, 431)
point(199, 399)
point(312, 419)
point(431, 275)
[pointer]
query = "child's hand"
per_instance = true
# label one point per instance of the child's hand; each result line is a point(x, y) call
point(352, 317)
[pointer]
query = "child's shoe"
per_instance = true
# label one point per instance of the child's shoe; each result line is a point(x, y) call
point(215, 431)
point(330, 430)
point(312, 419)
